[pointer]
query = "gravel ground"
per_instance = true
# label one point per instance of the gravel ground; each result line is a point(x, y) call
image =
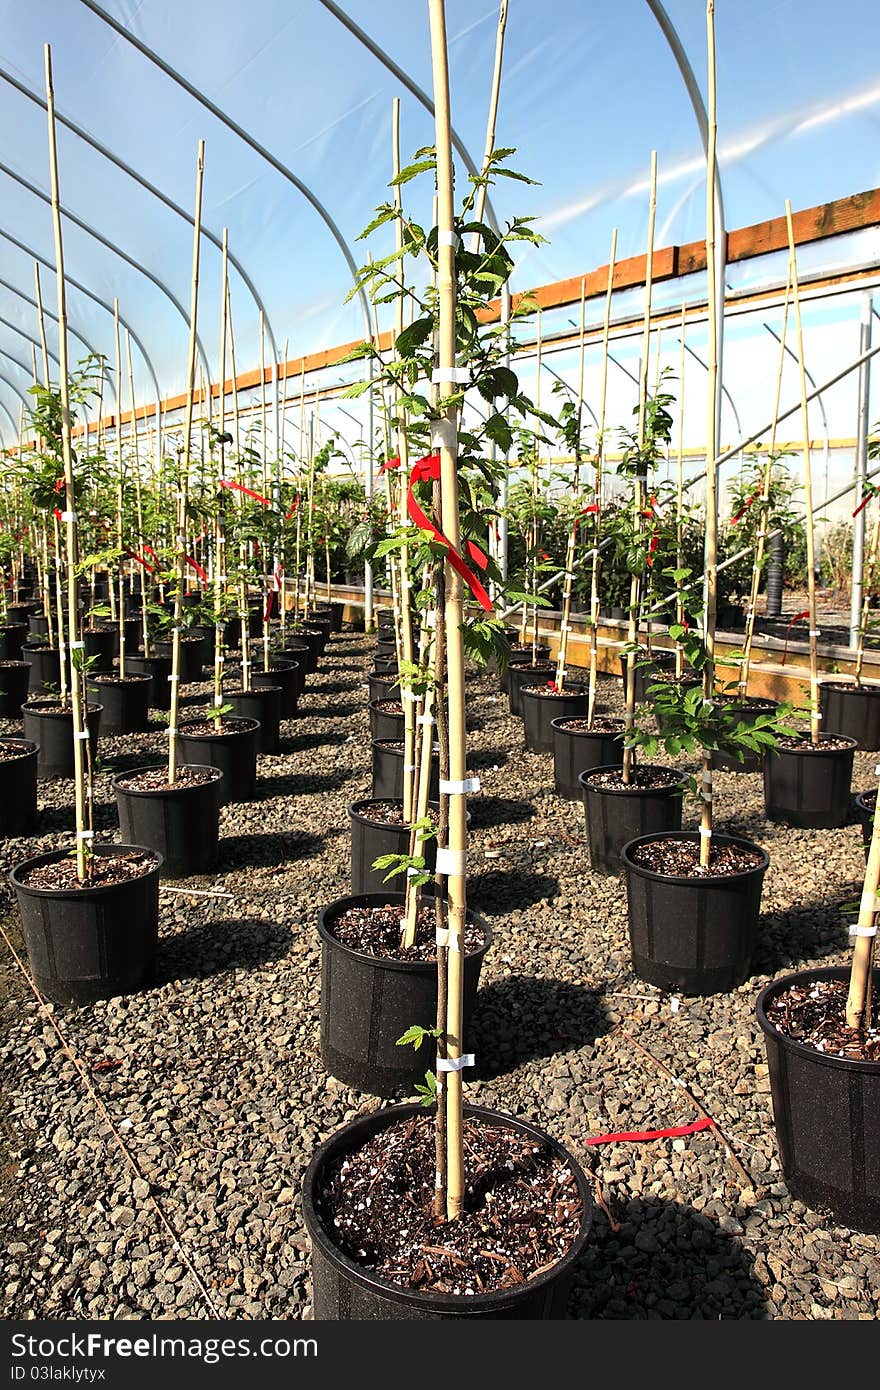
point(221, 1096)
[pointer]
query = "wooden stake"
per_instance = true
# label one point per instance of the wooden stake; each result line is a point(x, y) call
point(576, 488)
point(710, 550)
point(220, 576)
point(120, 496)
point(679, 495)
point(145, 626)
point(77, 683)
point(600, 464)
point(480, 203)
point(183, 464)
point(815, 716)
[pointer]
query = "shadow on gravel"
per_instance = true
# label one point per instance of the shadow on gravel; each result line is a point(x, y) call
point(498, 810)
point(504, 890)
point(486, 757)
point(208, 948)
point(805, 932)
point(53, 818)
point(523, 1017)
point(667, 1261)
point(293, 784)
point(258, 850)
point(332, 711)
point(301, 743)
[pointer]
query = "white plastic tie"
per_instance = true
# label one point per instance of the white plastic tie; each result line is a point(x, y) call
point(705, 833)
point(815, 632)
point(425, 719)
point(85, 834)
point(450, 788)
point(68, 516)
point(77, 646)
point(441, 936)
point(412, 872)
point(869, 902)
point(443, 434)
point(173, 678)
point(82, 734)
point(450, 376)
point(409, 767)
point(863, 931)
point(448, 238)
point(451, 861)
point(455, 1063)
point(171, 730)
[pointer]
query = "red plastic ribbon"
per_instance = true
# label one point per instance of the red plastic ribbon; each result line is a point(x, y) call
point(293, 508)
point(863, 504)
point(428, 470)
point(745, 506)
point(390, 463)
point(133, 555)
point(240, 487)
point(637, 1136)
point(57, 513)
point(151, 552)
point(480, 559)
point(197, 567)
point(59, 484)
point(796, 619)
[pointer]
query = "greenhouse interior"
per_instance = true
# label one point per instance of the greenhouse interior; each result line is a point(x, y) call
point(453, 430)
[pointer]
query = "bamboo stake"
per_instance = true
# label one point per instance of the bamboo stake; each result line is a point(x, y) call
point(711, 540)
point(184, 471)
point(488, 149)
point(244, 620)
point(80, 733)
point(576, 487)
point(120, 499)
point(47, 582)
point(299, 487)
point(139, 501)
point(635, 587)
point(764, 517)
point(265, 557)
point(815, 716)
point(220, 578)
point(281, 448)
point(455, 694)
point(679, 497)
point(536, 459)
point(600, 461)
point(858, 1003)
point(41, 322)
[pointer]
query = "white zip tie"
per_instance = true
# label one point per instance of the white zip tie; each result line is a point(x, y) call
point(443, 434)
point(68, 516)
point(455, 1063)
point(815, 632)
point(450, 376)
point(451, 861)
point(170, 731)
point(448, 238)
point(173, 678)
point(566, 627)
point(707, 776)
point(869, 902)
point(425, 719)
point(83, 734)
point(441, 936)
point(77, 646)
point(449, 788)
point(409, 767)
point(705, 833)
point(863, 931)
point(85, 834)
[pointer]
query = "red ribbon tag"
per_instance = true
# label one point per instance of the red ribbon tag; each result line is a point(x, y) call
point(428, 470)
point(863, 504)
point(194, 564)
point(745, 506)
point(293, 508)
point(390, 463)
point(638, 1135)
point(133, 555)
point(798, 617)
point(240, 487)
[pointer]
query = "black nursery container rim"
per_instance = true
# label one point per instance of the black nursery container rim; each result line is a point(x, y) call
point(101, 889)
point(258, 690)
point(844, 680)
point(37, 706)
point(114, 678)
point(585, 780)
point(710, 880)
point(814, 751)
point(456, 1303)
point(825, 1059)
point(25, 746)
point(562, 719)
point(249, 725)
point(572, 690)
point(118, 779)
point(408, 967)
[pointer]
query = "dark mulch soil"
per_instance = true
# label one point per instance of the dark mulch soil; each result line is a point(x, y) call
point(869, 800)
point(156, 779)
point(119, 680)
point(386, 677)
point(815, 1015)
point(203, 728)
point(10, 751)
point(387, 812)
point(105, 869)
point(389, 707)
point(598, 726)
point(753, 702)
point(645, 777)
point(522, 1212)
point(681, 859)
point(801, 743)
point(375, 931)
point(687, 678)
point(551, 692)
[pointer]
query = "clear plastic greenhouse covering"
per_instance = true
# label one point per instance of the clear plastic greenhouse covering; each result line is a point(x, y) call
point(589, 89)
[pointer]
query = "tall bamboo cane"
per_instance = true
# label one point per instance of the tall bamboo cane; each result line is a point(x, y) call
point(600, 467)
point(710, 551)
point(810, 530)
point(80, 733)
point(182, 480)
point(47, 581)
point(242, 549)
point(120, 495)
point(635, 586)
point(220, 577)
point(565, 625)
point(139, 501)
point(679, 497)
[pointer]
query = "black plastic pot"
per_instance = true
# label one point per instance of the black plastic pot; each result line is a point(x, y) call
point(100, 643)
point(693, 935)
point(346, 1291)
point(660, 660)
point(540, 708)
point(262, 704)
point(53, 731)
point(518, 676)
point(45, 669)
point(581, 750)
point(158, 668)
point(616, 815)
point(383, 686)
point(286, 675)
point(90, 943)
point(809, 788)
point(388, 773)
point(12, 637)
point(523, 658)
point(371, 838)
point(133, 633)
point(14, 678)
point(192, 657)
point(182, 823)
point(126, 704)
point(827, 1115)
point(18, 788)
point(18, 613)
point(853, 711)
point(385, 724)
point(865, 816)
point(38, 626)
point(385, 665)
point(752, 762)
point(385, 646)
point(234, 751)
point(775, 582)
point(731, 617)
point(337, 612)
point(367, 1002)
point(208, 635)
point(311, 642)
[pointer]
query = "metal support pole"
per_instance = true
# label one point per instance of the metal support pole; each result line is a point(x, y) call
point(861, 468)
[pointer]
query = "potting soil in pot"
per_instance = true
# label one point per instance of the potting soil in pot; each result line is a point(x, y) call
point(376, 932)
point(104, 869)
point(681, 859)
point(814, 1014)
